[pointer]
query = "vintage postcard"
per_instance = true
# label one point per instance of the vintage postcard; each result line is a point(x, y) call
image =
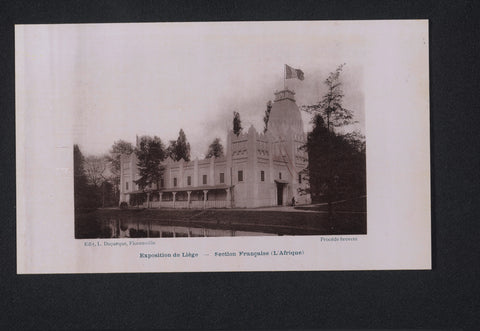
point(222, 146)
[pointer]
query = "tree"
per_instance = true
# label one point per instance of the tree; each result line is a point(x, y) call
point(119, 147)
point(98, 171)
point(150, 154)
point(336, 163)
point(237, 123)
point(330, 106)
point(79, 178)
point(267, 115)
point(95, 167)
point(334, 158)
point(180, 148)
point(78, 170)
point(317, 158)
point(215, 149)
point(85, 195)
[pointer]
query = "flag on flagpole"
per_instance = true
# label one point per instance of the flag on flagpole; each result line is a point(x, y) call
point(293, 73)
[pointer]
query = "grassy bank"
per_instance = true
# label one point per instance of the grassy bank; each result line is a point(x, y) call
point(357, 205)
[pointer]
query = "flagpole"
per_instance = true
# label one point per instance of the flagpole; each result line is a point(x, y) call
point(284, 75)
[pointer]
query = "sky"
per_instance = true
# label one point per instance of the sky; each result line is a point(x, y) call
point(123, 80)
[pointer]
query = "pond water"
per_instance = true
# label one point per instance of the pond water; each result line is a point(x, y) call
point(94, 227)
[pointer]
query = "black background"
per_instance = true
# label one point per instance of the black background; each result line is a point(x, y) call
point(446, 297)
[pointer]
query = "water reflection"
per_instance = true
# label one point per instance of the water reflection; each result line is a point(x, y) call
point(115, 228)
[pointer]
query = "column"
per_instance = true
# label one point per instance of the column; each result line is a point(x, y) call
point(180, 179)
point(160, 199)
point(252, 171)
point(148, 199)
point(211, 180)
point(205, 198)
point(195, 172)
point(229, 156)
point(270, 173)
point(174, 193)
point(229, 199)
point(188, 203)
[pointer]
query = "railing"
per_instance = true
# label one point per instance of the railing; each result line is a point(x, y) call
point(196, 204)
point(154, 204)
point(216, 204)
point(182, 204)
point(166, 204)
point(159, 204)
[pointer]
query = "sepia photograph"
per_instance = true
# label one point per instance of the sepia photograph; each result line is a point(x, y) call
point(162, 134)
point(211, 133)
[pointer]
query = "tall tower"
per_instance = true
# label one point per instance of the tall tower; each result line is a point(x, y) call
point(285, 126)
point(285, 118)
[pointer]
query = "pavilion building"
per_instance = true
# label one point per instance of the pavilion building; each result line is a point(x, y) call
point(257, 170)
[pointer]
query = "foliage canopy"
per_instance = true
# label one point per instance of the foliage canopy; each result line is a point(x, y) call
point(237, 123)
point(266, 117)
point(336, 161)
point(330, 106)
point(180, 148)
point(215, 149)
point(150, 154)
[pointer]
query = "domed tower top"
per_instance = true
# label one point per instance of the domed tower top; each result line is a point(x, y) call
point(285, 118)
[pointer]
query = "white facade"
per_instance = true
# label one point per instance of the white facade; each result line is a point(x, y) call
point(258, 169)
